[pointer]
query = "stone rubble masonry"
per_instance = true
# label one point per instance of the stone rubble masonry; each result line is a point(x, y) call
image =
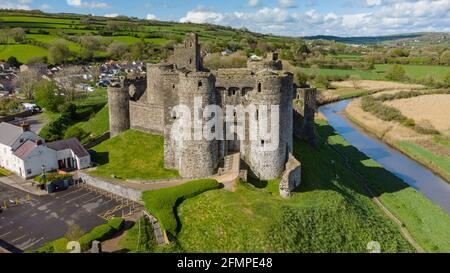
point(183, 78)
point(291, 178)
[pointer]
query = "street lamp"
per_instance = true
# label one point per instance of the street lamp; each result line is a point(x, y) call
point(44, 178)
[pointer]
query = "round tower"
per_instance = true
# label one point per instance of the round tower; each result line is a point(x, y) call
point(197, 157)
point(269, 154)
point(119, 109)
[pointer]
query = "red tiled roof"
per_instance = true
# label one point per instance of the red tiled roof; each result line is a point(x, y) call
point(25, 149)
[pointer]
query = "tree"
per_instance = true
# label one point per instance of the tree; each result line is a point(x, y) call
point(314, 71)
point(67, 80)
point(89, 44)
point(47, 95)
point(301, 78)
point(396, 73)
point(116, 50)
point(59, 52)
point(26, 81)
point(68, 111)
point(18, 34)
point(322, 80)
point(12, 61)
point(137, 51)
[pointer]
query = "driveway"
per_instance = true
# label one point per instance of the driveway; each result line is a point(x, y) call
point(36, 122)
point(34, 222)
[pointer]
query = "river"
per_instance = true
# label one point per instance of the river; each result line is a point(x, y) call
point(413, 173)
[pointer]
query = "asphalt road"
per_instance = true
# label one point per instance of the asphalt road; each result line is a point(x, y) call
point(36, 122)
point(42, 219)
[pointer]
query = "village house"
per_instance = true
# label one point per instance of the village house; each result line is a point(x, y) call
point(26, 153)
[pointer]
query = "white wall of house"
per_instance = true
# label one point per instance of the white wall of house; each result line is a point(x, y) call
point(81, 163)
point(84, 162)
point(40, 156)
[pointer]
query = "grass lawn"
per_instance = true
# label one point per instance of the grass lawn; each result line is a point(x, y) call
point(132, 155)
point(439, 163)
point(97, 125)
point(163, 203)
point(22, 52)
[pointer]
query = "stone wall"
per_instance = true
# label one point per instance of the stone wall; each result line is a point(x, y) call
point(131, 194)
point(291, 178)
point(309, 99)
point(147, 117)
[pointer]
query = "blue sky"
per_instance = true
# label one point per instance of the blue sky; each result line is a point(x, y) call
point(284, 17)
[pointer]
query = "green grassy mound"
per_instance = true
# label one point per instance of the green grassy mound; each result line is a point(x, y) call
point(132, 155)
point(163, 203)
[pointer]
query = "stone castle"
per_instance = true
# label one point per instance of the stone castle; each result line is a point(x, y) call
point(146, 104)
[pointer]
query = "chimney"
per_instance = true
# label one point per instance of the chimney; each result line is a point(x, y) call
point(25, 126)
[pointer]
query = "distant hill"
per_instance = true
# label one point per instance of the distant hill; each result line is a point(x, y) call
point(423, 37)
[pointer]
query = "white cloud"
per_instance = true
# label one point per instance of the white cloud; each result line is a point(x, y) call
point(11, 4)
point(389, 17)
point(151, 16)
point(287, 3)
point(111, 15)
point(87, 4)
point(253, 3)
point(202, 16)
point(373, 2)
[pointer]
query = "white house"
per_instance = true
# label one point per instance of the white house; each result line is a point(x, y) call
point(26, 154)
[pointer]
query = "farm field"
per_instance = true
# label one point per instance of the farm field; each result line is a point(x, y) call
point(412, 71)
point(22, 52)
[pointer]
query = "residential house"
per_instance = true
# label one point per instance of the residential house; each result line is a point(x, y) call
point(28, 155)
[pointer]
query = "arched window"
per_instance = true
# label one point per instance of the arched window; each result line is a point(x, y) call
point(259, 87)
point(200, 84)
point(190, 61)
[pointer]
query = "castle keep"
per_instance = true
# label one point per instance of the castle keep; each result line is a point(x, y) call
point(147, 104)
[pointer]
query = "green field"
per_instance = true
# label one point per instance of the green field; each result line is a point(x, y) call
point(22, 52)
point(412, 71)
point(132, 155)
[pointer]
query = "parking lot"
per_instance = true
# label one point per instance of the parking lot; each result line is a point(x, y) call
point(38, 220)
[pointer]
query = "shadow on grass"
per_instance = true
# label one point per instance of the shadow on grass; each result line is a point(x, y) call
point(340, 167)
point(101, 158)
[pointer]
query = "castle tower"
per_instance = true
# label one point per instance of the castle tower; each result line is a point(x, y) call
point(187, 54)
point(268, 156)
point(119, 108)
point(194, 158)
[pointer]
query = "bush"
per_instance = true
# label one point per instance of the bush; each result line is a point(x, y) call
point(425, 127)
point(101, 233)
point(396, 73)
point(164, 202)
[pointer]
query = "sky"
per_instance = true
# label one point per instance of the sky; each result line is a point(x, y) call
point(281, 17)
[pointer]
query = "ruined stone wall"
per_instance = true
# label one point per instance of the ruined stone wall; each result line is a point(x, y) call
point(291, 178)
point(187, 54)
point(119, 109)
point(309, 96)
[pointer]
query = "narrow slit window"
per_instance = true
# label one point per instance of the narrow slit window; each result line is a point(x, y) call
point(259, 87)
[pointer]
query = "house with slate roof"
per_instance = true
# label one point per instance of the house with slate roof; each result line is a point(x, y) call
point(27, 154)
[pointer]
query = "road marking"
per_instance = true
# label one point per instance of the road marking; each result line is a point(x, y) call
point(3, 235)
point(17, 239)
point(78, 197)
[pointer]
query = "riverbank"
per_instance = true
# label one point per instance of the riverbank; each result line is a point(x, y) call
point(419, 206)
point(421, 148)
